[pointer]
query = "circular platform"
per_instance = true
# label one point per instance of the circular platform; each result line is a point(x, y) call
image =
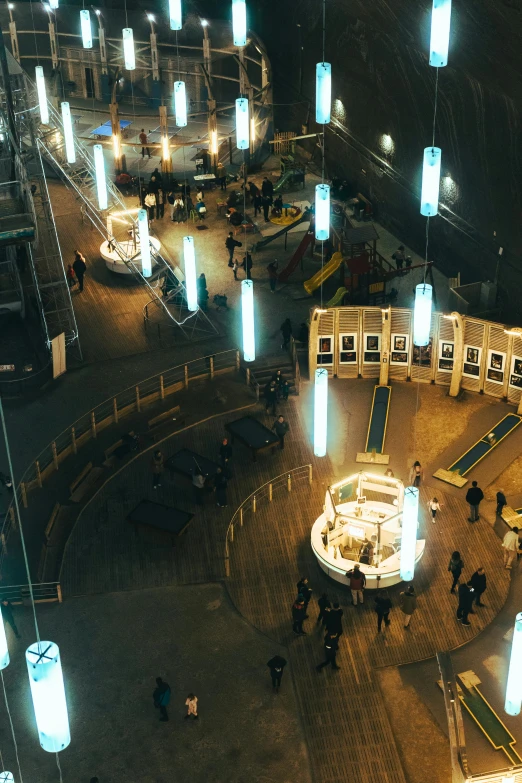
point(113, 260)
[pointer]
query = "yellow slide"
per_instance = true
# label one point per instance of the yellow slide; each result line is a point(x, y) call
point(323, 274)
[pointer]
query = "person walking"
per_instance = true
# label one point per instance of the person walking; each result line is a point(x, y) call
point(235, 267)
point(80, 267)
point(382, 607)
point(334, 619)
point(304, 589)
point(231, 244)
point(270, 397)
point(474, 495)
point(286, 331)
point(272, 275)
point(501, 502)
point(258, 203)
point(266, 203)
point(324, 604)
point(276, 666)
point(171, 199)
point(479, 584)
point(191, 704)
point(161, 697)
point(150, 203)
point(510, 545)
point(220, 485)
point(408, 604)
point(143, 141)
point(466, 595)
point(157, 464)
point(267, 188)
point(198, 487)
point(416, 474)
point(280, 427)
point(7, 615)
point(298, 616)
point(434, 506)
point(331, 645)
point(456, 564)
point(357, 584)
point(225, 454)
point(160, 204)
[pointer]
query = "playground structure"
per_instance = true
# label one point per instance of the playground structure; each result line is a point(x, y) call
point(323, 274)
point(291, 173)
point(304, 218)
point(377, 425)
point(307, 241)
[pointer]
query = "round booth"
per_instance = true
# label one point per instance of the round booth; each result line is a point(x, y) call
point(362, 523)
point(113, 258)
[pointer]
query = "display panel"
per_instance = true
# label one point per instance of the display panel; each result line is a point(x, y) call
point(325, 349)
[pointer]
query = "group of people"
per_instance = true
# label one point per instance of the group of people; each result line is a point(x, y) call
point(247, 262)
point(469, 592)
point(76, 271)
point(401, 259)
point(161, 700)
point(263, 199)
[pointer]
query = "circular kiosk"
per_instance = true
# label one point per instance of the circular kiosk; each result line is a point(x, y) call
point(362, 512)
point(113, 258)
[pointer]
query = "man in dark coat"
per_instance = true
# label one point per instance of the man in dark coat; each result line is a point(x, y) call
point(334, 619)
point(298, 616)
point(220, 484)
point(466, 596)
point(324, 606)
point(474, 495)
point(231, 244)
point(225, 454)
point(7, 614)
point(479, 585)
point(79, 267)
point(161, 697)
point(276, 666)
point(304, 589)
point(331, 645)
point(270, 397)
point(501, 502)
point(267, 188)
point(280, 427)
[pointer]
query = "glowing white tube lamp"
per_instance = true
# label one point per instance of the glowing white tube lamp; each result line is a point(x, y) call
point(422, 314)
point(175, 14)
point(514, 681)
point(322, 212)
point(143, 230)
point(180, 104)
point(191, 288)
point(440, 31)
point(430, 181)
point(247, 317)
point(239, 22)
point(68, 133)
point(323, 93)
point(242, 124)
point(50, 707)
point(99, 168)
point(410, 516)
point(42, 95)
point(53, 4)
point(85, 24)
point(4, 650)
point(6, 777)
point(320, 411)
point(128, 49)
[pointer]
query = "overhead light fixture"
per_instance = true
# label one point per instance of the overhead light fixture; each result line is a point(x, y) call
point(191, 287)
point(68, 133)
point(322, 212)
point(10, 6)
point(47, 689)
point(204, 23)
point(175, 14)
point(42, 96)
point(242, 124)
point(128, 49)
point(97, 12)
point(6, 777)
point(85, 25)
point(247, 318)
point(422, 314)
point(101, 183)
point(323, 93)
point(151, 17)
point(430, 181)
point(143, 231)
point(180, 104)
point(239, 22)
point(440, 31)
point(410, 520)
point(320, 411)
point(53, 4)
point(514, 680)
point(4, 649)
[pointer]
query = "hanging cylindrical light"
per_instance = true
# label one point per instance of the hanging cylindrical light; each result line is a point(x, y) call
point(50, 707)
point(128, 49)
point(323, 93)
point(247, 317)
point(4, 649)
point(322, 212)
point(143, 230)
point(101, 183)
point(239, 22)
point(68, 133)
point(320, 411)
point(422, 314)
point(440, 31)
point(514, 680)
point(191, 288)
point(42, 96)
point(180, 104)
point(6, 777)
point(175, 14)
point(410, 517)
point(85, 24)
point(430, 181)
point(242, 124)
point(53, 4)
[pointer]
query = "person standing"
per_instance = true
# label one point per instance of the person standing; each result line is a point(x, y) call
point(7, 615)
point(331, 645)
point(222, 176)
point(191, 704)
point(160, 204)
point(221, 484)
point(479, 584)
point(266, 203)
point(399, 257)
point(235, 267)
point(357, 584)
point(334, 619)
point(280, 427)
point(270, 397)
point(225, 454)
point(501, 502)
point(510, 545)
point(231, 244)
point(434, 506)
point(150, 203)
point(408, 604)
point(285, 390)
point(456, 564)
point(80, 267)
point(71, 277)
point(171, 201)
point(161, 697)
point(157, 468)
point(258, 203)
point(324, 604)
point(267, 188)
point(179, 209)
point(143, 141)
point(272, 275)
point(474, 495)
point(286, 331)
point(298, 616)
point(198, 487)
point(201, 209)
point(466, 595)
point(304, 589)
point(416, 474)
point(382, 607)
point(276, 666)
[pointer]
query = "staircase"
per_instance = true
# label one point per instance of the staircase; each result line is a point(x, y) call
point(263, 369)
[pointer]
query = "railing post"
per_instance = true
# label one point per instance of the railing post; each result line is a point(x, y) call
point(73, 440)
point(59, 593)
point(254, 504)
point(309, 474)
point(289, 483)
point(186, 376)
point(162, 388)
point(55, 455)
point(270, 492)
point(247, 374)
point(211, 368)
point(4, 545)
point(138, 407)
point(232, 532)
point(93, 424)
point(227, 566)
point(24, 493)
point(12, 515)
point(241, 517)
point(238, 360)
point(115, 409)
point(38, 474)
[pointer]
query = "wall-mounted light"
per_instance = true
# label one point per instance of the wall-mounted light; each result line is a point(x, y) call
point(214, 146)
point(386, 144)
point(129, 56)
point(165, 147)
point(116, 145)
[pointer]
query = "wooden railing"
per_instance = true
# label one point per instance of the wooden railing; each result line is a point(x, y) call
point(295, 365)
point(42, 593)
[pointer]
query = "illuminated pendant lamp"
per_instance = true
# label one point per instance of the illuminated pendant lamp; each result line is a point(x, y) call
point(6, 777)
point(101, 183)
point(242, 124)
point(514, 680)
point(128, 49)
point(430, 181)
point(189, 257)
point(143, 230)
point(42, 96)
point(320, 411)
point(422, 314)
point(410, 516)
point(53, 4)
point(47, 689)
point(175, 14)
point(85, 24)
point(440, 31)
point(322, 212)
point(247, 317)
point(239, 22)
point(68, 133)
point(180, 104)
point(323, 93)
point(4, 650)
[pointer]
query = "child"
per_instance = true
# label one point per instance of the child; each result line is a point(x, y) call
point(71, 277)
point(192, 706)
point(235, 267)
point(433, 506)
point(285, 390)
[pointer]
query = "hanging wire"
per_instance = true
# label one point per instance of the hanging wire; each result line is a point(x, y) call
point(59, 767)
point(34, 32)
point(323, 155)
point(12, 729)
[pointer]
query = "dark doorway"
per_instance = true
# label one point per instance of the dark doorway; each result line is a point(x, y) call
point(89, 83)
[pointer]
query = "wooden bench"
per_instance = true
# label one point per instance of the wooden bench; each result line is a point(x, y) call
point(84, 481)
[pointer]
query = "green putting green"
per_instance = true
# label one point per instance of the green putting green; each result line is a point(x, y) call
point(490, 723)
point(486, 444)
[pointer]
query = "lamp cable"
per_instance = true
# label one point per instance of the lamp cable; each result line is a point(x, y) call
point(12, 729)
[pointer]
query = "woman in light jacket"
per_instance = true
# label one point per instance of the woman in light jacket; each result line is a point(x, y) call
point(408, 604)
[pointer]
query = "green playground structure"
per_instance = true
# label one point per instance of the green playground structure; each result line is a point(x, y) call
point(337, 298)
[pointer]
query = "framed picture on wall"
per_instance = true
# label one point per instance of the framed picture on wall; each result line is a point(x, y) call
point(422, 355)
point(447, 349)
point(495, 376)
point(400, 342)
point(399, 349)
point(347, 342)
point(473, 370)
point(496, 360)
point(372, 348)
point(347, 348)
point(446, 365)
point(472, 357)
point(517, 365)
point(372, 357)
point(398, 357)
point(325, 349)
point(515, 378)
